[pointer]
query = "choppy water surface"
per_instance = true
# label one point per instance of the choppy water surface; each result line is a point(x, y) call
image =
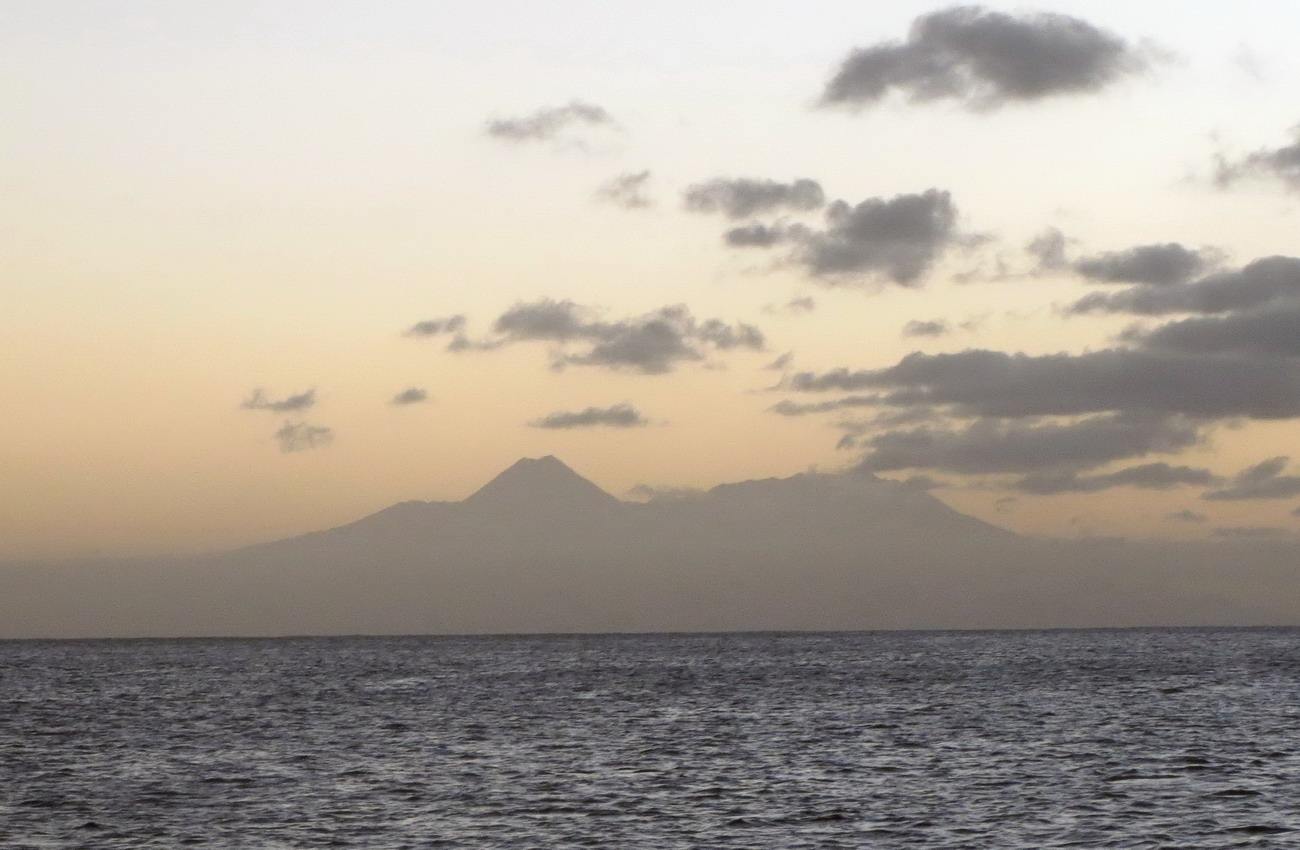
point(979, 740)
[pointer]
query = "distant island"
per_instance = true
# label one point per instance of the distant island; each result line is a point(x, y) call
point(539, 548)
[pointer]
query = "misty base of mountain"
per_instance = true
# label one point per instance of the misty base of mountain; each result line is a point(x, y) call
point(541, 549)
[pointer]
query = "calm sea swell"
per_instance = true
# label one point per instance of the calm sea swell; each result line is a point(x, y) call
point(1144, 738)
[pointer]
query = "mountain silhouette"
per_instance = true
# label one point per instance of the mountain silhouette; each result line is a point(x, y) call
point(539, 548)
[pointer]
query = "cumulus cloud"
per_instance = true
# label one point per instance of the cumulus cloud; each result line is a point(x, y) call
point(992, 446)
point(547, 123)
point(745, 197)
point(652, 343)
point(980, 382)
point(932, 327)
point(1281, 164)
point(1048, 248)
point(258, 400)
point(758, 235)
point(434, 327)
point(411, 395)
point(1156, 265)
point(782, 362)
point(984, 59)
point(621, 415)
point(896, 239)
point(301, 437)
point(627, 190)
point(1264, 332)
point(1264, 480)
point(1186, 515)
point(1269, 280)
point(1147, 476)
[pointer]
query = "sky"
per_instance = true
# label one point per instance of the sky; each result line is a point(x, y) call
point(270, 266)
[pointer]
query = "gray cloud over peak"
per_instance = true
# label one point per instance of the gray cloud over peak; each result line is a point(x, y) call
point(434, 327)
point(1270, 279)
point(257, 400)
point(1264, 480)
point(547, 123)
point(1149, 476)
point(1281, 164)
point(301, 437)
point(1156, 265)
point(993, 445)
point(984, 59)
point(653, 343)
point(622, 415)
point(1186, 515)
point(411, 395)
point(1248, 531)
point(627, 190)
point(932, 327)
point(745, 197)
point(980, 382)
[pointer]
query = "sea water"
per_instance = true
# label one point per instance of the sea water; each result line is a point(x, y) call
point(1129, 738)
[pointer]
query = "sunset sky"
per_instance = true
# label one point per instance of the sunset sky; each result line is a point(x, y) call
point(270, 266)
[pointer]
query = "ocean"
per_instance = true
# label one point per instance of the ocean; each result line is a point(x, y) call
point(1186, 738)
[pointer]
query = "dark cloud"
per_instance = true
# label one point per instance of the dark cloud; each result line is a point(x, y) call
point(545, 124)
point(1186, 515)
point(411, 395)
point(1147, 476)
point(627, 190)
point(1282, 164)
point(1261, 282)
point(921, 482)
point(933, 327)
point(980, 382)
point(745, 197)
point(990, 446)
point(434, 327)
point(650, 344)
point(1156, 265)
point(301, 437)
point(258, 401)
point(1262, 481)
point(621, 415)
point(761, 235)
point(1248, 531)
point(1265, 332)
point(984, 59)
point(896, 239)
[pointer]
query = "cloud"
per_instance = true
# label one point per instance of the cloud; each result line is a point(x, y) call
point(258, 401)
point(1048, 248)
point(1264, 333)
point(745, 197)
point(933, 327)
point(621, 415)
point(990, 446)
point(981, 382)
point(1248, 532)
point(1282, 164)
point(897, 239)
point(1156, 265)
point(411, 395)
point(762, 235)
point(794, 408)
point(651, 493)
point(301, 437)
point(1258, 283)
point(1147, 476)
point(652, 343)
point(627, 190)
point(1262, 481)
point(984, 59)
point(434, 327)
point(548, 123)
point(781, 362)
point(1186, 515)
